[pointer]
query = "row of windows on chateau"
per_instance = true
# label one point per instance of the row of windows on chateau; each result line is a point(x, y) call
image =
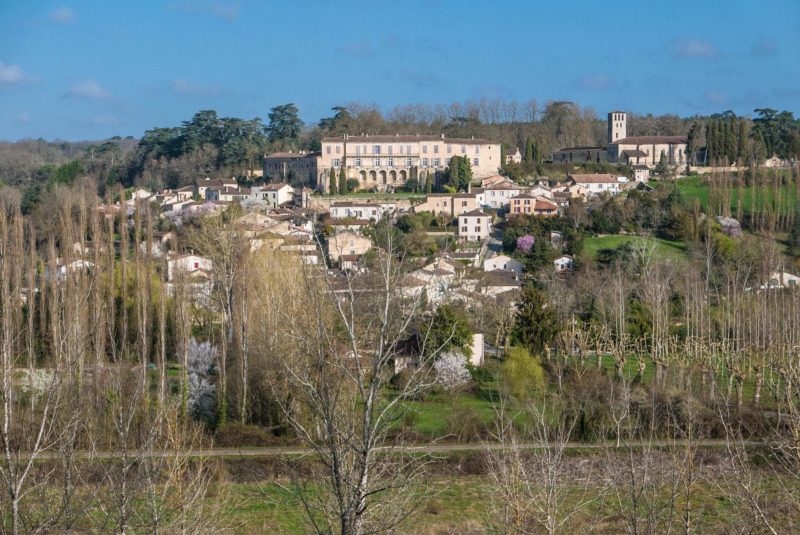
point(376, 149)
point(389, 162)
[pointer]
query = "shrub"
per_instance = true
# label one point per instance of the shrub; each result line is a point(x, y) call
point(522, 375)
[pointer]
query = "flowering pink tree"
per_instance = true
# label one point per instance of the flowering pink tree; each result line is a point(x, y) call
point(525, 242)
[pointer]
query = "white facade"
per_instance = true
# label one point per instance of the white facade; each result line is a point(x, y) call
point(384, 162)
point(187, 263)
point(273, 195)
point(474, 226)
point(342, 210)
point(563, 263)
point(502, 262)
point(499, 195)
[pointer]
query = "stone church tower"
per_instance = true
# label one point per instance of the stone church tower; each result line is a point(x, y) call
point(617, 126)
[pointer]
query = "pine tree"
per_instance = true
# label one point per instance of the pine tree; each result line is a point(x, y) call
point(332, 184)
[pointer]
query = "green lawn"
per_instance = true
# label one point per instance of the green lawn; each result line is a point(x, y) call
point(697, 187)
point(463, 504)
point(673, 250)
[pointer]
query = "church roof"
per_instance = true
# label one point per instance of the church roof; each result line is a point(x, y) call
point(649, 140)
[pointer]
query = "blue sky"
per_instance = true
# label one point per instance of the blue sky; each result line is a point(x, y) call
point(93, 69)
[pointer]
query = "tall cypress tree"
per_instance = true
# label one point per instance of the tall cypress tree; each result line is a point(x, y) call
point(332, 189)
point(429, 182)
point(794, 234)
point(529, 151)
point(342, 182)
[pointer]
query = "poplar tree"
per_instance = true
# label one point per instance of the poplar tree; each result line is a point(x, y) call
point(342, 183)
point(332, 184)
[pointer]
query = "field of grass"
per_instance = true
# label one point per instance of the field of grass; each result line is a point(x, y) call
point(665, 249)
point(696, 187)
point(463, 504)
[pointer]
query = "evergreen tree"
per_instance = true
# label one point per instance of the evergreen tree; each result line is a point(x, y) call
point(332, 189)
point(428, 183)
point(342, 183)
point(535, 322)
point(794, 234)
point(741, 141)
point(692, 142)
point(528, 151)
point(730, 141)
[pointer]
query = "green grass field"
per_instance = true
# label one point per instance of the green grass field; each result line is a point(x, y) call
point(463, 504)
point(697, 187)
point(672, 250)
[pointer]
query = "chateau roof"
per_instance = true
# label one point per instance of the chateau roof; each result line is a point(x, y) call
point(408, 138)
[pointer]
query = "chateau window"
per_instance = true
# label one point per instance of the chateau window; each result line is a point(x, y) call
point(376, 149)
point(478, 149)
point(358, 162)
point(391, 162)
point(358, 149)
point(338, 149)
point(436, 149)
point(475, 162)
point(463, 149)
point(424, 162)
point(328, 149)
point(408, 149)
point(408, 162)
point(436, 162)
point(390, 149)
point(337, 162)
point(401, 149)
point(464, 230)
point(477, 229)
point(424, 149)
point(449, 149)
point(376, 162)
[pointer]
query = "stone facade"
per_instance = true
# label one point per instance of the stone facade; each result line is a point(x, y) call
point(386, 162)
point(629, 150)
point(291, 167)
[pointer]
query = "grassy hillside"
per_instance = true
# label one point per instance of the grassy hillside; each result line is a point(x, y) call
point(673, 250)
point(785, 197)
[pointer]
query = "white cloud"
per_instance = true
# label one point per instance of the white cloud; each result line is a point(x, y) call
point(693, 49)
point(88, 89)
point(12, 75)
point(22, 117)
point(62, 15)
